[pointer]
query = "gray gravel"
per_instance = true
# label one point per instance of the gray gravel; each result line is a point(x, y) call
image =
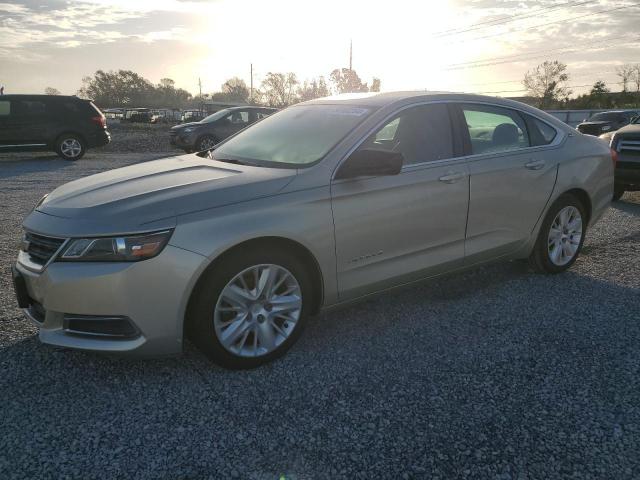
point(497, 373)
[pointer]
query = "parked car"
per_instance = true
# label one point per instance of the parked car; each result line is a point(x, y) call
point(205, 134)
point(317, 205)
point(137, 115)
point(607, 122)
point(165, 115)
point(192, 116)
point(66, 125)
point(626, 144)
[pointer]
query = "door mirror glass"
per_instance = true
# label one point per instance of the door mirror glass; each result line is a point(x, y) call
point(370, 162)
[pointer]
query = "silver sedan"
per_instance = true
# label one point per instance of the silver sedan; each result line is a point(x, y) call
point(318, 205)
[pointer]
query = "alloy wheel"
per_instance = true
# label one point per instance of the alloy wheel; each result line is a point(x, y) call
point(257, 310)
point(207, 144)
point(565, 235)
point(71, 147)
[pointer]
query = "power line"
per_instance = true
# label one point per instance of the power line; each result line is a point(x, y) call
point(536, 54)
point(550, 23)
point(568, 86)
point(512, 18)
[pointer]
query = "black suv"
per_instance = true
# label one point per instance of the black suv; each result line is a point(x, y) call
point(626, 145)
point(604, 122)
point(209, 131)
point(67, 125)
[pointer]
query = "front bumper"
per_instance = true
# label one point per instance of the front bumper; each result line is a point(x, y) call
point(627, 173)
point(152, 294)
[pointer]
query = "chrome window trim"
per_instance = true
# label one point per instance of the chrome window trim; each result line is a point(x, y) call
point(560, 137)
point(25, 145)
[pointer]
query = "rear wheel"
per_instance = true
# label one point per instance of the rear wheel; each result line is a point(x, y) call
point(70, 147)
point(250, 308)
point(618, 192)
point(561, 236)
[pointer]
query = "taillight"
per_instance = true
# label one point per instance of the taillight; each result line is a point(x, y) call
point(101, 121)
point(614, 157)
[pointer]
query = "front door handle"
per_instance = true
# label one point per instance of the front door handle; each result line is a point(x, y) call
point(534, 164)
point(451, 177)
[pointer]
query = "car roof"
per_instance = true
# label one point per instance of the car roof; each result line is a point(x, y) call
point(42, 96)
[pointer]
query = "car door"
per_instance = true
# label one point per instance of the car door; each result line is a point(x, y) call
point(5, 121)
point(512, 175)
point(394, 229)
point(27, 124)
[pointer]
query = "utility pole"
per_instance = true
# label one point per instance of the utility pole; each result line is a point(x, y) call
point(201, 101)
point(350, 54)
point(251, 91)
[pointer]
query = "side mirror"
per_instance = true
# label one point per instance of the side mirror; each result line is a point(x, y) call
point(370, 162)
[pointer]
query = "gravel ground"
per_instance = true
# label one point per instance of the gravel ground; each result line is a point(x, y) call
point(497, 373)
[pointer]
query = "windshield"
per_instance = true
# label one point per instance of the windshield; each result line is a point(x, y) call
point(215, 116)
point(299, 135)
point(604, 117)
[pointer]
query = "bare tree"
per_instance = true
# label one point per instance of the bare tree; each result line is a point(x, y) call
point(375, 85)
point(547, 83)
point(626, 73)
point(636, 77)
point(279, 89)
point(51, 91)
point(317, 88)
point(345, 80)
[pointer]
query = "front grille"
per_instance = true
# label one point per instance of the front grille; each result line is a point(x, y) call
point(627, 145)
point(40, 248)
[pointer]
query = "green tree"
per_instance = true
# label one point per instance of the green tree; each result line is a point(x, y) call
point(345, 80)
point(51, 91)
point(317, 88)
point(234, 90)
point(118, 89)
point(547, 83)
point(375, 85)
point(279, 89)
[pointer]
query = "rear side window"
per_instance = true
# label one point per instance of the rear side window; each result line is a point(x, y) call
point(5, 108)
point(540, 133)
point(495, 129)
point(421, 134)
point(29, 107)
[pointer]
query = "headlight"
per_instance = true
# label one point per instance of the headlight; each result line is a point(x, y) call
point(188, 130)
point(132, 248)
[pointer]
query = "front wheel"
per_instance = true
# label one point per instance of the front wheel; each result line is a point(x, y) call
point(70, 147)
point(250, 308)
point(206, 143)
point(561, 236)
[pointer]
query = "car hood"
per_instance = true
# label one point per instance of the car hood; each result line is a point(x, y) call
point(127, 199)
point(599, 123)
point(185, 125)
point(633, 129)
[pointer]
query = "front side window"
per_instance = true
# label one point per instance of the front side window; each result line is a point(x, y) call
point(239, 118)
point(5, 108)
point(421, 134)
point(495, 129)
point(296, 136)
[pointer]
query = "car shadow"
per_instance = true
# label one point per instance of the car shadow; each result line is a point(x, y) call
point(18, 165)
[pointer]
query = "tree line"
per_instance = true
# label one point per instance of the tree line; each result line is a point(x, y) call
point(125, 88)
point(548, 87)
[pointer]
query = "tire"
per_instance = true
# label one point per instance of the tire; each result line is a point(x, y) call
point(546, 247)
point(618, 192)
point(70, 147)
point(211, 315)
point(206, 142)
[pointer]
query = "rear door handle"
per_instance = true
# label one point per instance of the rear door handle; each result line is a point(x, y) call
point(534, 164)
point(451, 177)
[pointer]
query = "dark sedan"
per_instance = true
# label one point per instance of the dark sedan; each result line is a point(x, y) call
point(211, 130)
point(604, 122)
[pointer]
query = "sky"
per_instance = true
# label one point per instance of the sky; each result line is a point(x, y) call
point(482, 46)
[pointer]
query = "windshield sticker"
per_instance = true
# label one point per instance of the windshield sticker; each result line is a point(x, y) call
point(350, 111)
